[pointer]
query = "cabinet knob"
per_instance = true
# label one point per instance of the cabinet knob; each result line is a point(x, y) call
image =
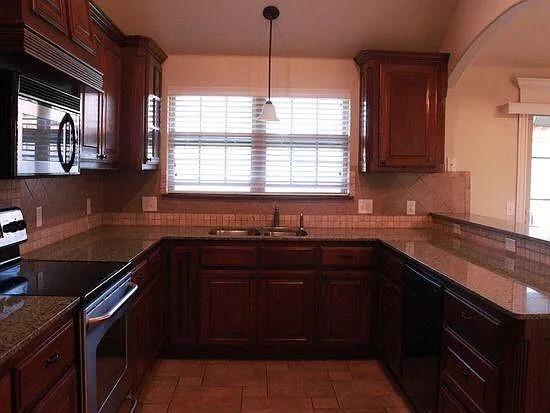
point(54, 358)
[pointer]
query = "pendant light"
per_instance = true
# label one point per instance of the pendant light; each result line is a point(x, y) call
point(269, 114)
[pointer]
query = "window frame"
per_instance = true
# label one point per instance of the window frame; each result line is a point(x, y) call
point(258, 137)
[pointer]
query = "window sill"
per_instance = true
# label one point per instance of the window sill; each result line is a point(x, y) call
point(248, 196)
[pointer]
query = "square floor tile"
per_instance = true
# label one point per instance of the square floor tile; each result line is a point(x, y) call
point(366, 394)
point(158, 391)
point(178, 368)
point(236, 374)
point(324, 402)
point(206, 399)
point(299, 384)
point(366, 369)
point(277, 405)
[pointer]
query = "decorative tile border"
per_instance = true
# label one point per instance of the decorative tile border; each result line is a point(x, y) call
point(242, 220)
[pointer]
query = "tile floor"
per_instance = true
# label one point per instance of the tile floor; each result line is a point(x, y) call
point(223, 386)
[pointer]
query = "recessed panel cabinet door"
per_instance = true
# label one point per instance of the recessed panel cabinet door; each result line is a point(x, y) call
point(53, 11)
point(112, 80)
point(182, 292)
point(81, 24)
point(344, 303)
point(285, 308)
point(408, 116)
point(227, 314)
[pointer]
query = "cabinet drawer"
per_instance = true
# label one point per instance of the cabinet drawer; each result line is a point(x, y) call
point(228, 256)
point(347, 257)
point(472, 323)
point(140, 274)
point(471, 378)
point(46, 365)
point(284, 257)
point(63, 398)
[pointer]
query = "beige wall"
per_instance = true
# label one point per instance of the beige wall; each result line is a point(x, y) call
point(481, 139)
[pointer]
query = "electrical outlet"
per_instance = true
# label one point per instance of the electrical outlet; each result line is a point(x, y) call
point(38, 217)
point(88, 206)
point(456, 229)
point(365, 206)
point(510, 244)
point(149, 203)
point(411, 207)
point(510, 208)
point(451, 164)
point(510, 264)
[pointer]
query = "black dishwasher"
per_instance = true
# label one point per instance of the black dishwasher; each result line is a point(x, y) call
point(422, 339)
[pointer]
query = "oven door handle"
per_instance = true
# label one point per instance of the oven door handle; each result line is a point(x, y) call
point(99, 319)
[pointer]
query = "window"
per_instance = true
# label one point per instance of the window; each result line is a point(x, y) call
point(216, 145)
point(539, 199)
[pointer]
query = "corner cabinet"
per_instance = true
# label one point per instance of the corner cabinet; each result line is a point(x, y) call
point(402, 105)
point(141, 98)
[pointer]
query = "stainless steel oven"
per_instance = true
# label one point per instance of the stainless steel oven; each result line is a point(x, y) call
point(41, 128)
point(107, 360)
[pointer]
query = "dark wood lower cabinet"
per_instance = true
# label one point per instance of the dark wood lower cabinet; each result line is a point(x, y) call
point(448, 403)
point(345, 307)
point(285, 308)
point(63, 397)
point(227, 308)
point(390, 323)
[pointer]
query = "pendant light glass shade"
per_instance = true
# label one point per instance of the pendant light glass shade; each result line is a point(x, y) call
point(268, 114)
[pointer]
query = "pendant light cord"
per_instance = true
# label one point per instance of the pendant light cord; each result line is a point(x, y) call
point(269, 63)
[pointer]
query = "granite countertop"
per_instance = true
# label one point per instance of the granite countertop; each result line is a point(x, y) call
point(515, 285)
point(24, 318)
point(508, 227)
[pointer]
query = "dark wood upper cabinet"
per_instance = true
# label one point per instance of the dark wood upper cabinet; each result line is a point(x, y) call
point(80, 24)
point(101, 109)
point(142, 97)
point(52, 11)
point(402, 111)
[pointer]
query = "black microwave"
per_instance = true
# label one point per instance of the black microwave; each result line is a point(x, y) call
point(39, 128)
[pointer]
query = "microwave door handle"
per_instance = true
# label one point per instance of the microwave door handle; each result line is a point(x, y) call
point(99, 319)
point(67, 119)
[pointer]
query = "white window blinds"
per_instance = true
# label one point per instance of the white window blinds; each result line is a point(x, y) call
point(216, 145)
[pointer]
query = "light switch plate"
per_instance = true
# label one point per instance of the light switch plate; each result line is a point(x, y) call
point(411, 207)
point(365, 206)
point(510, 244)
point(38, 217)
point(456, 229)
point(88, 206)
point(149, 204)
point(510, 264)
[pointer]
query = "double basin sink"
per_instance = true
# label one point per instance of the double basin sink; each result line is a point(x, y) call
point(260, 231)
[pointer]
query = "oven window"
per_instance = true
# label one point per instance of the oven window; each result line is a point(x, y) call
point(111, 357)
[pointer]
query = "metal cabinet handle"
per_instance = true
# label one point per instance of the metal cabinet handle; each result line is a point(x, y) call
point(54, 358)
point(99, 319)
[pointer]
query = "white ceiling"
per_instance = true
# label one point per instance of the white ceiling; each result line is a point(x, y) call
point(320, 28)
point(523, 42)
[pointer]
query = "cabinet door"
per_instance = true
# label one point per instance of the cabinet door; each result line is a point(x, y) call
point(92, 107)
point(63, 398)
point(285, 308)
point(154, 92)
point(52, 11)
point(81, 24)
point(142, 317)
point(390, 322)
point(227, 308)
point(183, 294)
point(111, 62)
point(448, 403)
point(5, 394)
point(156, 316)
point(345, 307)
point(409, 133)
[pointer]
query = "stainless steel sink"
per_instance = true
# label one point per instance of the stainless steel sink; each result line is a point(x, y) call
point(235, 232)
point(259, 231)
